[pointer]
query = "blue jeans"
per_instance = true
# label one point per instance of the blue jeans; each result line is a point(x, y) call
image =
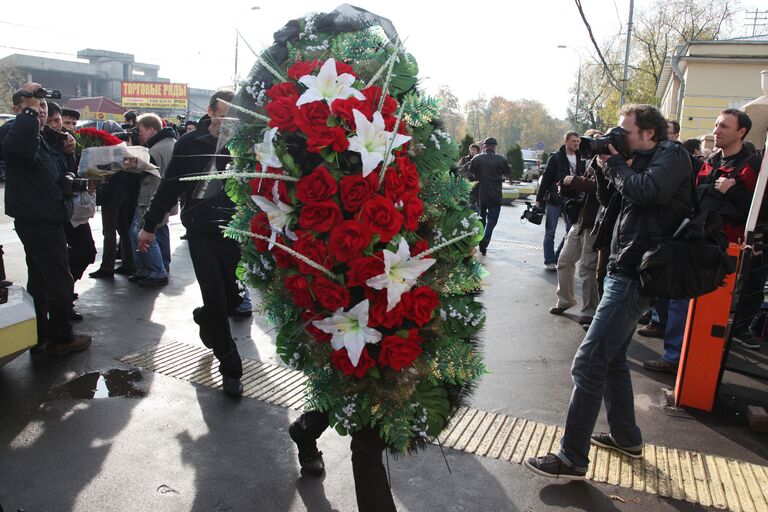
point(163, 239)
point(673, 335)
point(660, 312)
point(489, 215)
point(553, 214)
point(150, 263)
point(600, 373)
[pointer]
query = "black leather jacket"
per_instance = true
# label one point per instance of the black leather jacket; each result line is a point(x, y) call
point(558, 167)
point(653, 197)
point(489, 169)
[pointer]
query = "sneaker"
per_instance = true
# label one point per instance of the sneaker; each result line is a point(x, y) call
point(645, 319)
point(551, 267)
point(152, 281)
point(310, 458)
point(558, 310)
point(135, 278)
point(125, 271)
point(605, 440)
point(232, 386)
point(551, 466)
point(746, 340)
point(79, 342)
point(660, 365)
point(651, 330)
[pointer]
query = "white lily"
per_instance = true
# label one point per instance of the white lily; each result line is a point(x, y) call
point(265, 151)
point(372, 141)
point(328, 86)
point(349, 329)
point(400, 273)
point(278, 213)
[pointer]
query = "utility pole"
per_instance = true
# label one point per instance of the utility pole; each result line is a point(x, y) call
point(626, 53)
point(757, 16)
point(237, 41)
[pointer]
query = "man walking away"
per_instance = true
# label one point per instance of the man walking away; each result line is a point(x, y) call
point(654, 195)
point(489, 170)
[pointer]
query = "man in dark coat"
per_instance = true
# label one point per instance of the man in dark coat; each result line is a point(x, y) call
point(565, 162)
point(653, 195)
point(41, 207)
point(205, 210)
point(489, 169)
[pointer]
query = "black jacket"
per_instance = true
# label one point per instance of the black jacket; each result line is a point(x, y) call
point(558, 167)
point(652, 198)
point(34, 171)
point(489, 169)
point(206, 206)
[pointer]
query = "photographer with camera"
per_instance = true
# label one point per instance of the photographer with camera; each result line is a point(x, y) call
point(654, 194)
point(39, 198)
point(579, 243)
point(565, 162)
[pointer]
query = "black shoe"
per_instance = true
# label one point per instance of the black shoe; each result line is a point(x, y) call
point(74, 315)
point(75, 296)
point(483, 250)
point(125, 271)
point(310, 458)
point(183, 237)
point(660, 365)
point(102, 274)
point(40, 347)
point(605, 440)
point(645, 319)
point(551, 466)
point(232, 386)
point(135, 278)
point(153, 281)
point(746, 340)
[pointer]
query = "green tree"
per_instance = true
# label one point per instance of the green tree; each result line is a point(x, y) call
point(464, 144)
point(11, 80)
point(450, 113)
point(515, 158)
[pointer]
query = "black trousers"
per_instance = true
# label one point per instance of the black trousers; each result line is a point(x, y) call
point(752, 294)
point(371, 485)
point(215, 260)
point(50, 283)
point(116, 216)
point(81, 248)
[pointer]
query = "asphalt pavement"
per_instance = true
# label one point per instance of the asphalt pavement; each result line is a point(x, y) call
point(185, 446)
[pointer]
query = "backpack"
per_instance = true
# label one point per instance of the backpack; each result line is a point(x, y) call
point(690, 263)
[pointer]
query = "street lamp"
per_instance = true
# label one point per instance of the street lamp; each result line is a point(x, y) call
point(578, 81)
point(237, 42)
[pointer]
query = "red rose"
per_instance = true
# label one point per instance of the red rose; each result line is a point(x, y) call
point(340, 360)
point(260, 226)
point(344, 108)
point(364, 268)
point(378, 314)
point(298, 286)
point(265, 186)
point(348, 239)
point(394, 186)
point(373, 95)
point(320, 216)
point(398, 353)
point(379, 214)
point(317, 186)
point(300, 69)
point(419, 247)
point(313, 117)
point(335, 137)
point(409, 173)
point(419, 304)
point(313, 250)
point(320, 336)
point(413, 208)
point(282, 258)
point(283, 114)
point(343, 67)
point(355, 190)
point(330, 295)
point(283, 90)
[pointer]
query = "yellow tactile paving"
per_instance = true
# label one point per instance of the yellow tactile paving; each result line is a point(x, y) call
point(668, 472)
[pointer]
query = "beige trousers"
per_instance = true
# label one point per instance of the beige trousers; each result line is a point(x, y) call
point(578, 248)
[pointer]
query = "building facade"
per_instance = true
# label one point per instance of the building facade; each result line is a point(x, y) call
point(704, 77)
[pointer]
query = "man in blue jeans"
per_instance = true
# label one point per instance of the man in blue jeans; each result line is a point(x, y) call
point(673, 338)
point(489, 170)
point(566, 161)
point(652, 178)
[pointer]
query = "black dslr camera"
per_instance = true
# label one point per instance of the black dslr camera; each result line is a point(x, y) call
point(616, 137)
point(533, 214)
point(71, 184)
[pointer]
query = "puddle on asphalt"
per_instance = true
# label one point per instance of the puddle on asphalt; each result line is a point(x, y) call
point(110, 384)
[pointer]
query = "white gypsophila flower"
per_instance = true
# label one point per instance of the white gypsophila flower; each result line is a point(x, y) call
point(434, 140)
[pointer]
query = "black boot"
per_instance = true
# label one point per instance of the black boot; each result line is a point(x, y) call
point(304, 432)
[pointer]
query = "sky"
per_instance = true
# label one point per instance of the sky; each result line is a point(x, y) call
point(506, 48)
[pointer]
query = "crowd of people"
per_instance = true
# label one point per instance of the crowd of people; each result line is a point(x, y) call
point(615, 206)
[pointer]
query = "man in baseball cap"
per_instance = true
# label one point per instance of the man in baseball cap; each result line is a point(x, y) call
point(489, 169)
